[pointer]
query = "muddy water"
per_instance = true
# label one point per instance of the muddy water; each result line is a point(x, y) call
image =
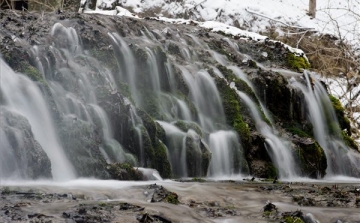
point(239, 201)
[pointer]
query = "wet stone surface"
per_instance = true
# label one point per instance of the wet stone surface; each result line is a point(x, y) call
point(204, 201)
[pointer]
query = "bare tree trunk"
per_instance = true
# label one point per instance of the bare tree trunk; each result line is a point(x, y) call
point(312, 8)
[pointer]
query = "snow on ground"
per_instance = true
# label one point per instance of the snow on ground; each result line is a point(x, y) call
point(258, 15)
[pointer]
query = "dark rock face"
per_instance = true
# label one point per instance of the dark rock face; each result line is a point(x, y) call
point(311, 156)
point(29, 161)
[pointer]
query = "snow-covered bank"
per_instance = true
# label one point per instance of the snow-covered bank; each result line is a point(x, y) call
point(334, 17)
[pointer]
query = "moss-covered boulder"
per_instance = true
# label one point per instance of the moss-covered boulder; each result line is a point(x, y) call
point(311, 156)
point(297, 62)
point(124, 171)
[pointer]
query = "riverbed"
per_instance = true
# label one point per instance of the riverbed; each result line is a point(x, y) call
point(89, 200)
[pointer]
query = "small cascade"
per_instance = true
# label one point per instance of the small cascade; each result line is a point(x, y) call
point(206, 98)
point(241, 75)
point(74, 79)
point(222, 143)
point(23, 97)
point(127, 63)
point(176, 143)
point(154, 69)
point(279, 149)
point(98, 106)
point(138, 125)
point(341, 159)
point(150, 174)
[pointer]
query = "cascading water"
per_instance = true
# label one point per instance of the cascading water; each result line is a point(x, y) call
point(340, 158)
point(222, 144)
point(111, 104)
point(278, 148)
point(22, 96)
point(177, 142)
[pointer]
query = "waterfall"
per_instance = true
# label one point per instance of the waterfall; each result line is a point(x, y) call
point(222, 144)
point(144, 96)
point(341, 159)
point(278, 148)
point(22, 96)
point(177, 154)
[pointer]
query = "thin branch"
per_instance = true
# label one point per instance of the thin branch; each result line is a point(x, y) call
point(287, 25)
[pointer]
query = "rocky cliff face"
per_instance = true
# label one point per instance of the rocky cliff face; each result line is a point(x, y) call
point(110, 94)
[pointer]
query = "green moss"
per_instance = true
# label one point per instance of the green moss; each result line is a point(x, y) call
point(349, 141)
point(291, 219)
point(116, 171)
point(6, 191)
point(232, 111)
point(172, 198)
point(31, 72)
point(296, 62)
point(252, 64)
point(198, 179)
point(340, 114)
point(150, 103)
point(103, 204)
point(272, 172)
point(161, 162)
point(296, 131)
point(185, 126)
point(312, 159)
point(107, 57)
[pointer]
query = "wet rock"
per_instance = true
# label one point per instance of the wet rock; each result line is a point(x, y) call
point(124, 171)
point(22, 148)
point(147, 218)
point(160, 194)
point(270, 207)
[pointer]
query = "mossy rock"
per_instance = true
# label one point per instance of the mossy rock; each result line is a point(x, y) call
point(350, 142)
point(232, 110)
point(311, 156)
point(297, 62)
point(186, 126)
point(217, 46)
point(340, 114)
point(172, 198)
point(124, 171)
point(240, 84)
point(107, 57)
point(160, 161)
point(31, 72)
point(273, 89)
point(297, 131)
point(154, 148)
